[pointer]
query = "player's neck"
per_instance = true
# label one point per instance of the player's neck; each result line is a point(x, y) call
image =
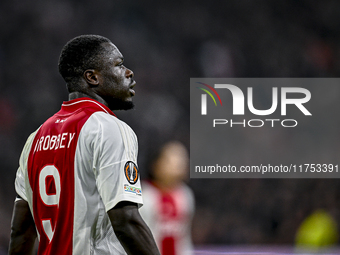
point(166, 186)
point(78, 94)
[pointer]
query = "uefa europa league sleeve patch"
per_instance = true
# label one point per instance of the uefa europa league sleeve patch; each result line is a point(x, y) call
point(131, 172)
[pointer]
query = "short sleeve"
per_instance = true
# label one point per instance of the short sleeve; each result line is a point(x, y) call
point(21, 180)
point(20, 183)
point(115, 165)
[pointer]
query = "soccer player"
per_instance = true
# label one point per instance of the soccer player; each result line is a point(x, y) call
point(169, 202)
point(78, 183)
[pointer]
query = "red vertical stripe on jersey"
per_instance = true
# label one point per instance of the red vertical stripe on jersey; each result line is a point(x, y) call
point(169, 212)
point(54, 147)
point(168, 246)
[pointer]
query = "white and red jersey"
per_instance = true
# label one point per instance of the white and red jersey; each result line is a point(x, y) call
point(78, 165)
point(169, 215)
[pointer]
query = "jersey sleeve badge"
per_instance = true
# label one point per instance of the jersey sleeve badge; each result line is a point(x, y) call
point(131, 172)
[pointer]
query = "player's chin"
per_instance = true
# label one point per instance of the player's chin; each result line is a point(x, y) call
point(118, 104)
point(128, 105)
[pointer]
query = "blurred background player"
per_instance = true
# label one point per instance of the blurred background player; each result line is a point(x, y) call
point(168, 202)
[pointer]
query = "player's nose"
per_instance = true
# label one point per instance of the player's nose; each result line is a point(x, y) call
point(129, 73)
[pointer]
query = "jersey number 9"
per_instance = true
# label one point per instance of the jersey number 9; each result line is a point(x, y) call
point(49, 199)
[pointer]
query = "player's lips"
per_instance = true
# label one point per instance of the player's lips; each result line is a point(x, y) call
point(132, 92)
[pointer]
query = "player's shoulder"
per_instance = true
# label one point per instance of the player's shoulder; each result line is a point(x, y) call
point(190, 196)
point(27, 147)
point(107, 127)
point(147, 186)
point(150, 194)
point(186, 191)
point(30, 138)
point(108, 121)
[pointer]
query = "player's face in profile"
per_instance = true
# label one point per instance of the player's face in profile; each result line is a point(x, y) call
point(116, 80)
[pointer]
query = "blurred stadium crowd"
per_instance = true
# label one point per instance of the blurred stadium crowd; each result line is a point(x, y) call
point(165, 43)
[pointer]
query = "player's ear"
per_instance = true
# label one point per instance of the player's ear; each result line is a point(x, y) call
point(91, 76)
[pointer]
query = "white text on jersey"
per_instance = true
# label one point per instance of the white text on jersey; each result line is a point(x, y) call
point(54, 142)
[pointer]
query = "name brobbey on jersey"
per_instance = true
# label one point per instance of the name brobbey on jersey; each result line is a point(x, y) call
point(54, 142)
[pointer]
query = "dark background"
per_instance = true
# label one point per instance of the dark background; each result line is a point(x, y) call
point(165, 43)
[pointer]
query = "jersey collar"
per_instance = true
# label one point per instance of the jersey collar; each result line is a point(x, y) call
point(85, 102)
